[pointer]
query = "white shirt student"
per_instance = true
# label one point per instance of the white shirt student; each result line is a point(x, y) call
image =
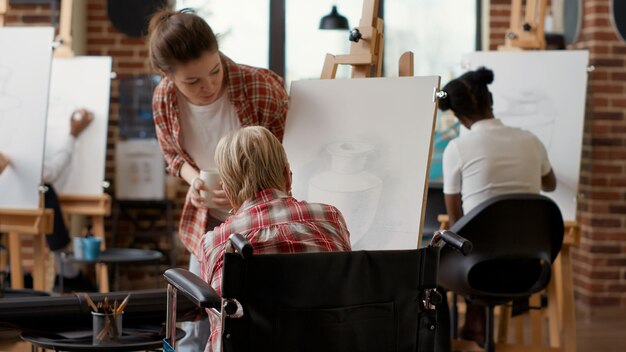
point(55, 164)
point(492, 159)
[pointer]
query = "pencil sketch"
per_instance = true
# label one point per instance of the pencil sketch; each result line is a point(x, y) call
point(347, 184)
point(363, 145)
point(530, 109)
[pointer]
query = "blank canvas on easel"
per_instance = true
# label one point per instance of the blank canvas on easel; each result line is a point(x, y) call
point(24, 82)
point(543, 92)
point(80, 82)
point(363, 145)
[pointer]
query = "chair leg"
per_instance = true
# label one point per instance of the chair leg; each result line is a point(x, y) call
point(490, 345)
point(454, 318)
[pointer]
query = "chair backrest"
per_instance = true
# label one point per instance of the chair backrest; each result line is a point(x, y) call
point(516, 237)
point(340, 301)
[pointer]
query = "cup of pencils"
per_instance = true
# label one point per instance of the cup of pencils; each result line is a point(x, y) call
point(107, 320)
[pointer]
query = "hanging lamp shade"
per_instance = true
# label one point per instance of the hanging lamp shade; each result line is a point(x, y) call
point(334, 20)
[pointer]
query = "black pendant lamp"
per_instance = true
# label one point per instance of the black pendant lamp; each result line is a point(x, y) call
point(334, 20)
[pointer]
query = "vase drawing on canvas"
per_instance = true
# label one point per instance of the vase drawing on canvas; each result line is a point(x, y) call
point(349, 186)
point(532, 110)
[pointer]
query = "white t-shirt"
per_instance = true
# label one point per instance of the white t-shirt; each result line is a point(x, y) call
point(493, 159)
point(55, 164)
point(201, 127)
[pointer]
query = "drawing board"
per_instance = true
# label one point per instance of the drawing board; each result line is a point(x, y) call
point(79, 82)
point(24, 83)
point(363, 145)
point(544, 93)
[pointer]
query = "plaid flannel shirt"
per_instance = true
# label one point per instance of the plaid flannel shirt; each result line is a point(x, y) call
point(272, 222)
point(259, 97)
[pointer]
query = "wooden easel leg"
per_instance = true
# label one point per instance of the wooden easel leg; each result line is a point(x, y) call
point(519, 328)
point(39, 268)
point(379, 48)
point(15, 255)
point(535, 320)
point(102, 271)
point(569, 315)
point(503, 324)
point(405, 67)
point(329, 71)
point(553, 313)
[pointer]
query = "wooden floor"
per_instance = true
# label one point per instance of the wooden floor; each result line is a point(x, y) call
point(602, 330)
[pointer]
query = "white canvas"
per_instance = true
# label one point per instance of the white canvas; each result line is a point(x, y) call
point(24, 82)
point(80, 82)
point(379, 133)
point(543, 92)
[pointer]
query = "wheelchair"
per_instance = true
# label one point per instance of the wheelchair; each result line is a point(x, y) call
point(331, 301)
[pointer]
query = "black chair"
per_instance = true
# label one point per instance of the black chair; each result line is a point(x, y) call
point(339, 301)
point(516, 238)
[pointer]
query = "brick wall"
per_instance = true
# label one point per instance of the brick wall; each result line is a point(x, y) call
point(600, 262)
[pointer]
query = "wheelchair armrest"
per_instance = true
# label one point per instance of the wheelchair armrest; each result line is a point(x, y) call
point(194, 288)
point(459, 243)
point(241, 245)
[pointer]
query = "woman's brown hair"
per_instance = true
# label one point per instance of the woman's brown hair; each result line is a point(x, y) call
point(177, 37)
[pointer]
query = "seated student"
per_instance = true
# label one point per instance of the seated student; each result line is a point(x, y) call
point(53, 166)
point(255, 175)
point(490, 160)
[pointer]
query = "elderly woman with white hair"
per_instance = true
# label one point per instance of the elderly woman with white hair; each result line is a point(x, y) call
point(256, 178)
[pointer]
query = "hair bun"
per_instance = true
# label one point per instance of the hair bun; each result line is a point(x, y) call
point(482, 75)
point(444, 103)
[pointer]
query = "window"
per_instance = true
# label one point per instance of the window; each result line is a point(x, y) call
point(241, 26)
point(438, 33)
point(306, 45)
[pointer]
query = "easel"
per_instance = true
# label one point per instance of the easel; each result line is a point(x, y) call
point(530, 33)
point(37, 222)
point(96, 207)
point(366, 59)
point(16, 222)
point(4, 8)
point(366, 51)
point(65, 30)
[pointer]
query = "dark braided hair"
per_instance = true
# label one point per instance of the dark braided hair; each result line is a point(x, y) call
point(468, 95)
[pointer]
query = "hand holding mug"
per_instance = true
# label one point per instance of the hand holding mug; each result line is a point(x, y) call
point(196, 189)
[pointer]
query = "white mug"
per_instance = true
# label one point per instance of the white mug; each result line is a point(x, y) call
point(211, 178)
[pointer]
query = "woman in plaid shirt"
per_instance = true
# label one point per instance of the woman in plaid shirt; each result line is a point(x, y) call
point(257, 181)
point(203, 96)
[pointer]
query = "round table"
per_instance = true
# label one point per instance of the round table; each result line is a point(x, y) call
point(133, 339)
point(116, 256)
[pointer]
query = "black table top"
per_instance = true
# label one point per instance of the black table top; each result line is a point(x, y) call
point(133, 339)
point(119, 255)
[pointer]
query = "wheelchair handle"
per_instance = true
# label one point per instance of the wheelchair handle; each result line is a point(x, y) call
point(459, 243)
point(241, 245)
